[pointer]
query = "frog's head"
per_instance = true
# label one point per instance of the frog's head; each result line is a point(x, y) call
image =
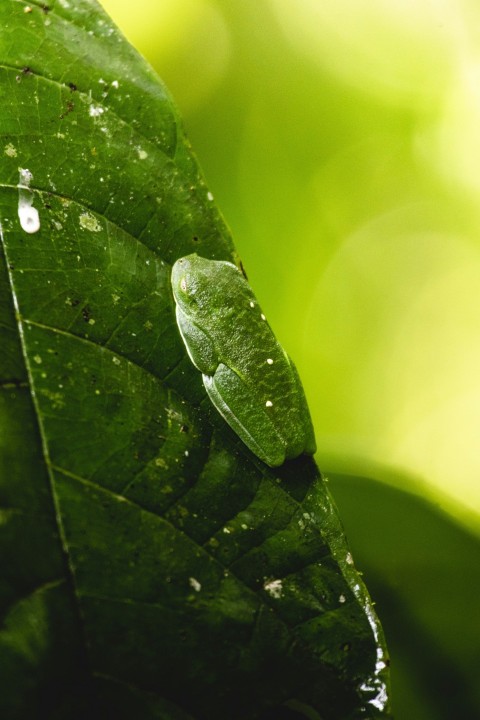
point(189, 282)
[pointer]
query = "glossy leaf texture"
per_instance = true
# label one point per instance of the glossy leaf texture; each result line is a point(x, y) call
point(151, 567)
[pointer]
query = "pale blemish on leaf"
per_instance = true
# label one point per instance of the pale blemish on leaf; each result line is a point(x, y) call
point(193, 582)
point(95, 110)
point(10, 150)
point(89, 222)
point(57, 399)
point(274, 588)
point(142, 154)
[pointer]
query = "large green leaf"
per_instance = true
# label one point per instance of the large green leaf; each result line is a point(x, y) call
point(151, 567)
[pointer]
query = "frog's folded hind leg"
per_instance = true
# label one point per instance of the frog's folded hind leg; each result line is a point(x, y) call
point(240, 407)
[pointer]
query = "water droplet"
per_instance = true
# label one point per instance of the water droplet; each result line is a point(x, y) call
point(27, 214)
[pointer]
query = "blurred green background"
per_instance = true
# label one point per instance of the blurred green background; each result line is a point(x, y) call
point(341, 141)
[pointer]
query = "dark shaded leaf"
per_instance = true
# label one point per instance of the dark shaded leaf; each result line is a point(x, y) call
point(424, 571)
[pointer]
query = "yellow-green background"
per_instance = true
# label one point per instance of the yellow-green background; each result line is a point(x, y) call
point(341, 140)
point(342, 143)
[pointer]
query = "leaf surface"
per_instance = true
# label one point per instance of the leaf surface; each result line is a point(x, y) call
point(151, 566)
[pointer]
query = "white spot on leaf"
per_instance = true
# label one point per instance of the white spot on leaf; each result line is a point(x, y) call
point(274, 588)
point(95, 110)
point(194, 584)
point(29, 218)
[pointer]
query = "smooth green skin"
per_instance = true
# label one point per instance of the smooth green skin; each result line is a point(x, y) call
point(248, 376)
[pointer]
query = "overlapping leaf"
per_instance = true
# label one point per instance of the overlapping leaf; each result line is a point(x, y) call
point(151, 566)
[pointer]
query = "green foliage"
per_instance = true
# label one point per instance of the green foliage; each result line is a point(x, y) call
point(150, 566)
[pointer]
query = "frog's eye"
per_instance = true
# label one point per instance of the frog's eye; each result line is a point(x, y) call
point(188, 287)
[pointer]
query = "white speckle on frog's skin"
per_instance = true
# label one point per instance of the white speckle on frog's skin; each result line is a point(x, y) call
point(27, 214)
point(342, 598)
point(37, 359)
point(274, 588)
point(116, 360)
point(10, 150)
point(263, 316)
point(27, 9)
point(269, 361)
point(142, 154)
point(210, 196)
point(193, 582)
point(252, 304)
point(89, 222)
point(115, 84)
point(269, 403)
point(349, 559)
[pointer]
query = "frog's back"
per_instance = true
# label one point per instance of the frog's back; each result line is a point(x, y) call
point(255, 354)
